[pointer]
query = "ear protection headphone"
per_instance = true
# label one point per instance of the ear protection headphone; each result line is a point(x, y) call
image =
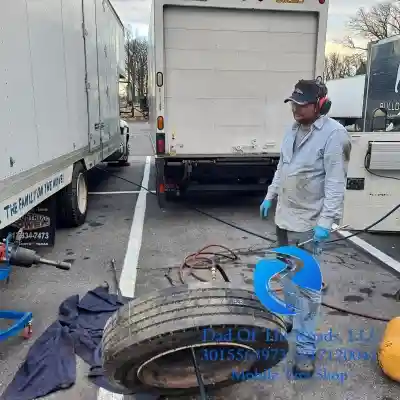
point(324, 104)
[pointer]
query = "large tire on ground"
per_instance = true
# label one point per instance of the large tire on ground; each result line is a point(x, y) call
point(123, 162)
point(72, 201)
point(247, 339)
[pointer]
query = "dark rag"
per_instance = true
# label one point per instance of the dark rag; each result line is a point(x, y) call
point(50, 364)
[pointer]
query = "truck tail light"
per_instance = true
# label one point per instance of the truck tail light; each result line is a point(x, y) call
point(160, 123)
point(160, 143)
point(321, 1)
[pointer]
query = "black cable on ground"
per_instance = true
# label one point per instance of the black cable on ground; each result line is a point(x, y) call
point(198, 257)
point(356, 314)
point(244, 230)
point(365, 230)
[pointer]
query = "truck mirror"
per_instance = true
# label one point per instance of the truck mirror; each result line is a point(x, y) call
point(379, 120)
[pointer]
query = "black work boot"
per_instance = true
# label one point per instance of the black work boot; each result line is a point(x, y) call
point(289, 326)
point(304, 366)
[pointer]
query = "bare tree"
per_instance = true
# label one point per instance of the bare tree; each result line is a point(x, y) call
point(379, 22)
point(130, 69)
point(136, 67)
point(141, 66)
point(339, 66)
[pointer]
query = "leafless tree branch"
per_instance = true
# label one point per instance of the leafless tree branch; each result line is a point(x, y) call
point(377, 23)
point(339, 66)
point(136, 65)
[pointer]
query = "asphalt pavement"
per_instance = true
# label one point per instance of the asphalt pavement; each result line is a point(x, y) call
point(388, 243)
point(125, 223)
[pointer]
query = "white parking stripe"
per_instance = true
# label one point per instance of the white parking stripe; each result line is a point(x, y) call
point(127, 279)
point(121, 192)
point(379, 255)
point(129, 269)
point(104, 394)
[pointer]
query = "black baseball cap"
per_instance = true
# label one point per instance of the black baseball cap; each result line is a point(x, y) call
point(305, 92)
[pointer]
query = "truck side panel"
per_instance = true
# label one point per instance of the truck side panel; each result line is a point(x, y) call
point(46, 34)
point(153, 92)
point(92, 78)
point(121, 50)
point(347, 96)
point(44, 107)
point(74, 66)
point(17, 106)
point(108, 76)
point(45, 110)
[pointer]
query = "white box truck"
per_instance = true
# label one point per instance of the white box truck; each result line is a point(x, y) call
point(219, 71)
point(347, 96)
point(61, 62)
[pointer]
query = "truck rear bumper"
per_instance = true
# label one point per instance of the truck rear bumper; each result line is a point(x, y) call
point(176, 175)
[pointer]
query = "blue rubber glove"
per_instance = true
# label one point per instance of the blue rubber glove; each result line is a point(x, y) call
point(265, 206)
point(321, 234)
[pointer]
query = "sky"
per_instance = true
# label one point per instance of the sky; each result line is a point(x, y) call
point(136, 14)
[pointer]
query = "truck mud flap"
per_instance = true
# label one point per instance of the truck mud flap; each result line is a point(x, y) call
point(147, 344)
point(163, 191)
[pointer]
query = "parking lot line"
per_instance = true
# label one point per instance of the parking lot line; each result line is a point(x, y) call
point(121, 192)
point(127, 279)
point(129, 270)
point(379, 255)
point(104, 394)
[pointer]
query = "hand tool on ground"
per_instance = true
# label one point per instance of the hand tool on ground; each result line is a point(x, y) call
point(11, 254)
point(115, 277)
point(203, 393)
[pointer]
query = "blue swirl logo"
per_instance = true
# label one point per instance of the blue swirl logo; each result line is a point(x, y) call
point(304, 272)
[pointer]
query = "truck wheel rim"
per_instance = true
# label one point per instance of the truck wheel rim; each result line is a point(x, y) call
point(174, 369)
point(82, 193)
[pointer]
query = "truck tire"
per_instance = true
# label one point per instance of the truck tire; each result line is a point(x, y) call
point(72, 201)
point(173, 321)
point(123, 162)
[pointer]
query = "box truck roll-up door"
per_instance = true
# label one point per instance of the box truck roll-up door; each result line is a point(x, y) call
point(228, 72)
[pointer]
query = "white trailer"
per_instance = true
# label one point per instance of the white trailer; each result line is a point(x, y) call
point(374, 170)
point(372, 183)
point(347, 96)
point(61, 62)
point(219, 72)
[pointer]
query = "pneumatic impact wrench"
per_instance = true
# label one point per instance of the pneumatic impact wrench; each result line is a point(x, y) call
point(13, 254)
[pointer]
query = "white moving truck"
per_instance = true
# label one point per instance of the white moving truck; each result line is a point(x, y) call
point(347, 96)
point(61, 62)
point(219, 71)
